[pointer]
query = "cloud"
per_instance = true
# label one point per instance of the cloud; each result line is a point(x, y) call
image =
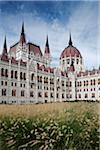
point(83, 24)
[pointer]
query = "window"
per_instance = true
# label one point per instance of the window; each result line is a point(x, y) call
point(21, 75)
point(80, 83)
point(3, 92)
point(1, 82)
point(77, 61)
point(13, 92)
point(98, 81)
point(5, 83)
point(62, 95)
point(79, 95)
point(51, 95)
point(11, 73)
point(11, 83)
point(86, 96)
point(57, 95)
point(2, 72)
point(93, 95)
point(24, 76)
point(94, 81)
point(31, 94)
point(15, 74)
point(46, 94)
point(39, 94)
point(22, 93)
point(68, 61)
point(6, 73)
point(70, 83)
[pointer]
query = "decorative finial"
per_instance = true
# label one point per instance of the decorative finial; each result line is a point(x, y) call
point(70, 40)
point(22, 28)
point(47, 43)
point(5, 44)
point(47, 50)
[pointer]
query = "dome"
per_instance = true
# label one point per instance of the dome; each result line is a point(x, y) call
point(70, 51)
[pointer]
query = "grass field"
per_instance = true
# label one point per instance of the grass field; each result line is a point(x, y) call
point(51, 126)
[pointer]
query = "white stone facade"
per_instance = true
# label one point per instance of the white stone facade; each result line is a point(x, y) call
point(27, 77)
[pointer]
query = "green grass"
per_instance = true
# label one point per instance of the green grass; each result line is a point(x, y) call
point(56, 126)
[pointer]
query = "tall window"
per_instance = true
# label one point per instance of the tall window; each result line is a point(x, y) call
point(22, 93)
point(13, 92)
point(31, 94)
point(15, 74)
point(2, 72)
point(86, 96)
point(24, 76)
point(21, 75)
point(3, 92)
point(12, 73)
point(93, 95)
point(39, 94)
point(6, 73)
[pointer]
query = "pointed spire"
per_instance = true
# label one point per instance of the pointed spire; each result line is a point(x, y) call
point(22, 36)
point(47, 50)
point(47, 44)
point(4, 47)
point(70, 40)
point(22, 28)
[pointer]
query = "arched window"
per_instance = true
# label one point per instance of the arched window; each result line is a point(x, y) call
point(2, 72)
point(6, 72)
point(31, 94)
point(24, 76)
point(15, 74)
point(46, 94)
point(32, 77)
point(22, 93)
point(93, 95)
point(12, 73)
point(13, 92)
point(21, 75)
point(3, 92)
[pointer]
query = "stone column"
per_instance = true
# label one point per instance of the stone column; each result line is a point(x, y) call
point(27, 83)
point(18, 83)
point(9, 82)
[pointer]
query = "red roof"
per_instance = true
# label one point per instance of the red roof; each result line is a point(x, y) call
point(13, 47)
point(35, 49)
point(70, 51)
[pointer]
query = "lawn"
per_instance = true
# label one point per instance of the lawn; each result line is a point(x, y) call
point(51, 126)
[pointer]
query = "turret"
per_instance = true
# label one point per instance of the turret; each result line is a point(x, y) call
point(47, 52)
point(4, 52)
point(22, 36)
point(22, 49)
point(4, 55)
point(70, 41)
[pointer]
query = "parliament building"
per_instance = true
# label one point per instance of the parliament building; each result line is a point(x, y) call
point(26, 75)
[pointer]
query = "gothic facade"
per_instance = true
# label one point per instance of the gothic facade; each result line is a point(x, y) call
point(26, 75)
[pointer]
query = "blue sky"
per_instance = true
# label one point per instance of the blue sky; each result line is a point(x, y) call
point(57, 19)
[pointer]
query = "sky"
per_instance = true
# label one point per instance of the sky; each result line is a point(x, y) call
point(57, 19)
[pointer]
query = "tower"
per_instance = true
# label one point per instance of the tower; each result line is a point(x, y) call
point(47, 54)
point(22, 49)
point(71, 56)
point(4, 55)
